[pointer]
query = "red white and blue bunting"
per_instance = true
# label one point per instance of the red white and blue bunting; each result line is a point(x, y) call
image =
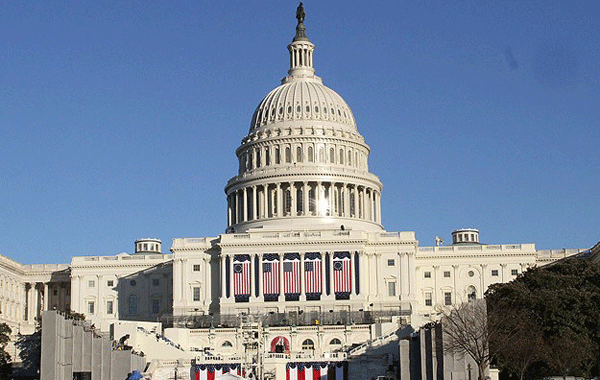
point(212, 371)
point(317, 371)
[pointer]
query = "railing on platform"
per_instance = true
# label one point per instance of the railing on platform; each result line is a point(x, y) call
point(195, 321)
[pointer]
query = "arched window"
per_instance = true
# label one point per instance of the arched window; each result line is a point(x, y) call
point(471, 292)
point(133, 304)
point(249, 161)
point(355, 158)
point(335, 342)
point(227, 344)
point(311, 201)
point(288, 154)
point(308, 345)
point(311, 157)
point(299, 154)
point(287, 202)
point(258, 158)
point(321, 154)
point(267, 157)
point(277, 156)
point(331, 156)
point(341, 157)
point(299, 201)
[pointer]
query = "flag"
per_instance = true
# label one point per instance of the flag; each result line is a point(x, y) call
point(342, 276)
point(241, 276)
point(270, 267)
point(313, 277)
point(291, 276)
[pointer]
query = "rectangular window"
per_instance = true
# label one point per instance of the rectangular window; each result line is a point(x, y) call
point(91, 284)
point(391, 262)
point(90, 307)
point(427, 274)
point(155, 306)
point(447, 298)
point(196, 267)
point(428, 299)
point(447, 273)
point(109, 307)
point(196, 293)
point(155, 282)
point(494, 272)
point(514, 272)
point(110, 283)
point(391, 289)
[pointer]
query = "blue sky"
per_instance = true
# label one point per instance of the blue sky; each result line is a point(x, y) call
point(119, 119)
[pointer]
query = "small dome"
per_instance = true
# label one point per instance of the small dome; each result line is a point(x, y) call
point(306, 99)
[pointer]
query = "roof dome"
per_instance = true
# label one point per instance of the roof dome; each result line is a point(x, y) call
point(302, 95)
point(302, 99)
point(303, 164)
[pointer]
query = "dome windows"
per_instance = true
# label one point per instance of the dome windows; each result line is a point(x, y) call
point(289, 109)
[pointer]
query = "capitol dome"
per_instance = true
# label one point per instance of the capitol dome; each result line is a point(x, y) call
point(304, 99)
point(303, 163)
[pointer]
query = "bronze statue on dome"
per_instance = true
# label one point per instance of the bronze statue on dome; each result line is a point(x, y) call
point(300, 13)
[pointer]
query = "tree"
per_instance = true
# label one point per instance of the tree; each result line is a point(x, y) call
point(467, 332)
point(5, 358)
point(526, 346)
point(561, 304)
point(30, 349)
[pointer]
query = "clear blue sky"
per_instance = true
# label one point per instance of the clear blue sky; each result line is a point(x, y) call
point(119, 119)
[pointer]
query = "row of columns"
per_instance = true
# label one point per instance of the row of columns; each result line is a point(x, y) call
point(301, 56)
point(281, 199)
point(252, 158)
point(257, 296)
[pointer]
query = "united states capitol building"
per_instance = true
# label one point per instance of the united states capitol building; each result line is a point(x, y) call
point(304, 257)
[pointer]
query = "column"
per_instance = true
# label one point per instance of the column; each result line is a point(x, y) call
point(323, 293)
point(28, 301)
point(75, 293)
point(362, 203)
point(305, 199)
point(356, 196)
point(330, 200)
point(454, 292)
point(483, 286)
point(260, 276)
point(302, 290)
point(331, 282)
point(228, 210)
point(346, 200)
point(254, 203)
point(36, 301)
point(245, 204)
point(360, 269)
point(47, 295)
point(281, 294)
point(435, 284)
point(411, 271)
point(404, 271)
point(223, 282)
point(318, 196)
point(378, 208)
point(231, 277)
point(279, 201)
point(252, 278)
point(294, 201)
